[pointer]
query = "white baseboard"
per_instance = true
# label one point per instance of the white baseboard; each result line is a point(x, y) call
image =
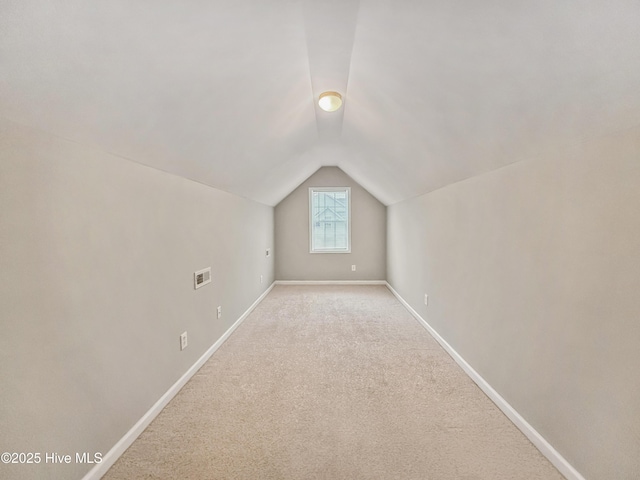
point(531, 433)
point(125, 442)
point(330, 282)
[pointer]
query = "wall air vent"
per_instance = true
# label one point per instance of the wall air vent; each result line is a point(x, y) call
point(202, 277)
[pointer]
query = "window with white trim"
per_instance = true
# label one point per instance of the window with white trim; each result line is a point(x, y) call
point(329, 219)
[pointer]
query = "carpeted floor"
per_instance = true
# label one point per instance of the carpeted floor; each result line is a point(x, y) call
point(331, 382)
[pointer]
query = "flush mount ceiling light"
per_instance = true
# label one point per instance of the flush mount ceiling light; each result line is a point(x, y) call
point(330, 101)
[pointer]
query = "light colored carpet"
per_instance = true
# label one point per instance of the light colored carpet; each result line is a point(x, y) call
point(331, 382)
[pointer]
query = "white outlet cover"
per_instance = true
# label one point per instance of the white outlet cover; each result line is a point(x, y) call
point(426, 299)
point(353, 268)
point(267, 252)
point(219, 311)
point(183, 341)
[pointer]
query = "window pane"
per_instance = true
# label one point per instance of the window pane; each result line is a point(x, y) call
point(330, 220)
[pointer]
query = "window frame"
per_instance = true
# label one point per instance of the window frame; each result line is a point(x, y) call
point(347, 191)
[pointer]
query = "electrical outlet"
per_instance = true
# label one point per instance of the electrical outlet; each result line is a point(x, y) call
point(353, 268)
point(426, 299)
point(219, 312)
point(267, 252)
point(260, 278)
point(183, 341)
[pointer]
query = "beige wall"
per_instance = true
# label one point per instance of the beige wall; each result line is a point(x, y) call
point(368, 234)
point(533, 274)
point(96, 281)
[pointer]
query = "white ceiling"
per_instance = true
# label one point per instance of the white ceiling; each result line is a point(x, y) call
point(224, 91)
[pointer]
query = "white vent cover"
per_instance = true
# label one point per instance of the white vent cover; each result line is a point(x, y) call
point(202, 277)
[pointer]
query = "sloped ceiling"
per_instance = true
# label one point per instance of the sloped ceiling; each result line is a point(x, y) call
point(224, 91)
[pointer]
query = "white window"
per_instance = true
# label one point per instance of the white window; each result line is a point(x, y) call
point(329, 220)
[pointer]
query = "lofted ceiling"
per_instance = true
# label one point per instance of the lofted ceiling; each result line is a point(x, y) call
point(224, 91)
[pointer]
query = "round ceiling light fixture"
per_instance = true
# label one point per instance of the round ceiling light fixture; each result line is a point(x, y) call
point(330, 101)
